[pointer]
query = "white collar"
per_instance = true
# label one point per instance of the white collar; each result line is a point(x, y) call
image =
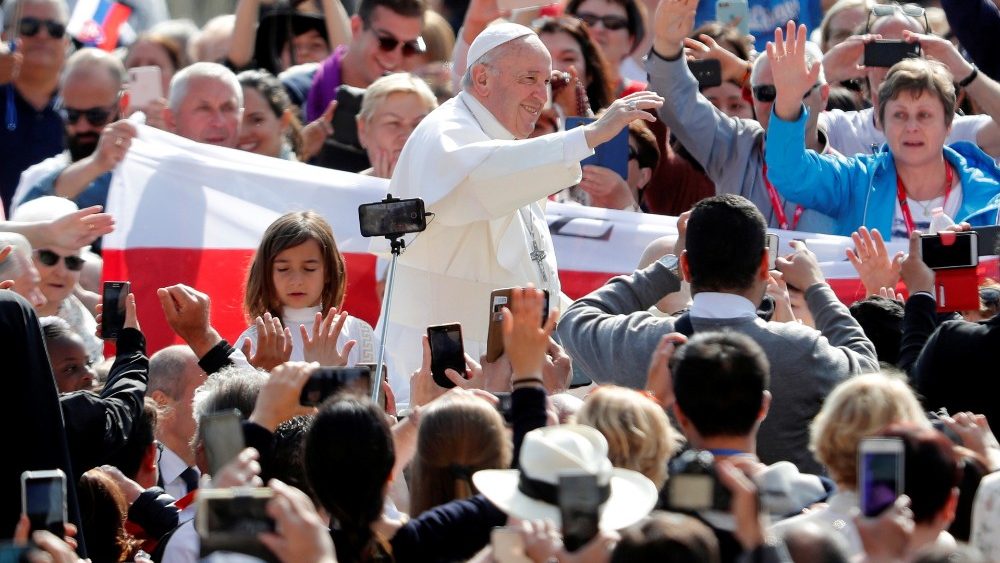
point(491, 126)
point(305, 315)
point(711, 305)
point(171, 465)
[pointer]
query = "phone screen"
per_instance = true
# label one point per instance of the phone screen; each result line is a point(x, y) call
point(886, 52)
point(963, 253)
point(881, 474)
point(447, 352)
point(392, 218)
point(327, 381)
point(223, 434)
point(772, 251)
point(708, 72)
point(113, 313)
point(579, 506)
point(691, 492)
point(44, 503)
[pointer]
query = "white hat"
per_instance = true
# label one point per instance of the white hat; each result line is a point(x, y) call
point(493, 37)
point(567, 449)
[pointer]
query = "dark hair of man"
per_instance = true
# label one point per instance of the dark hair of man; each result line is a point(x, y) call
point(129, 458)
point(348, 457)
point(719, 382)
point(725, 243)
point(405, 8)
point(287, 454)
point(931, 469)
point(666, 537)
point(881, 319)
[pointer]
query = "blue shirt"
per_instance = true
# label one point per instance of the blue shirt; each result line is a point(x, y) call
point(765, 15)
point(38, 135)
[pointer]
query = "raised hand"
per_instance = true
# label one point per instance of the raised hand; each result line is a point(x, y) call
point(778, 290)
point(619, 114)
point(916, 275)
point(131, 318)
point(672, 23)
point(733, 67)
point(77, 229)
point(793, 76)
point(315, 133)
point(843, 61)
point(300, 534)
point(800, 269)
point(525, 340)
point(606, 188)
point(871, 259)
point(113, 145)
point(942, 50)
point(187, 311)
point(280, 397)
point(659, 380)
point(321, 345)
point(274, 344)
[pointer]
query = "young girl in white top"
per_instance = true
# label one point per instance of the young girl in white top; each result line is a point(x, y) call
point(298, 276)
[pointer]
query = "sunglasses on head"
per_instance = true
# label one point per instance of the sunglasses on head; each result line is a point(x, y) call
point(30, 27)
point(767, 93)
point(96, 116)
point(910, 10)
point(610, 22)
point(73, 263)
point(388, 43)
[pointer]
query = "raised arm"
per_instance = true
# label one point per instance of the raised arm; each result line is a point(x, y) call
point(338, 23)
point(244, 33)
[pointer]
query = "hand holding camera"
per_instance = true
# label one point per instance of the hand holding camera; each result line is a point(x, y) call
point(525, 339)
point(279, 398)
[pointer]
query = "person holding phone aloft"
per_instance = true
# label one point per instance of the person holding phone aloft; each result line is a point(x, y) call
point(893, 191)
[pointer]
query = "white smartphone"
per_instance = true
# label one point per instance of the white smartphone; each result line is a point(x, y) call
point(772, 250)
point(735, 13)
point(880, 473)
point(508, 547)
point(145, 85)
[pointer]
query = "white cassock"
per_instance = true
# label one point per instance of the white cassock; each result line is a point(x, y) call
point(487, 192)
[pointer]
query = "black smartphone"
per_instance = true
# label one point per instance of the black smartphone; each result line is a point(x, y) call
point(345, 124)
point(989, 240)
point(579, 506)
point(962, 253)
point(880, 473)
point(708, 72)
point(392, 218)
point(447, 352)
point(43, 499)
point(223, 435)
point(231, 519)
point(887, 52)
point(113, 313)
point(327, 381)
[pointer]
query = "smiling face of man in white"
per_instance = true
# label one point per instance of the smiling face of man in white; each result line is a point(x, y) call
point(513, 86)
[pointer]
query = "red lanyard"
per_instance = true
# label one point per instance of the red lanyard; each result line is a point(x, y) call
point(779, 209)
point(904, 205)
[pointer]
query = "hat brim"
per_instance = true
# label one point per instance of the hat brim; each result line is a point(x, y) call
point(632, 497)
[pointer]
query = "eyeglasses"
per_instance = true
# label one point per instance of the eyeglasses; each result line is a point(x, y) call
point(388, 43)
point(610, 22)
point(767, 93)
point(73, 263)
point(911, 10)
point(30, 27)
point(95, 116)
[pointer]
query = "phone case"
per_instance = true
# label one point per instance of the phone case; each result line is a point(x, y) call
point(728, 10)
point(612, 154)
point(956, 289)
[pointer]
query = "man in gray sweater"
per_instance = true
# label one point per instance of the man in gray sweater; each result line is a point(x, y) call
point(611, 336)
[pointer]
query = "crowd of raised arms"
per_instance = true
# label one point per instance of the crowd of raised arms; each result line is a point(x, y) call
point(720, 403)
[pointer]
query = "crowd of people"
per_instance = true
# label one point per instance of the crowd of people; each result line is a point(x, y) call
point(708, 407)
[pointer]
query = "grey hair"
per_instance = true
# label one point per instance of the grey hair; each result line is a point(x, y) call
point(9, 268)
point(181, 81)
point(814, 56)
point(10, 13)
point(87, 59)
point(166, 370)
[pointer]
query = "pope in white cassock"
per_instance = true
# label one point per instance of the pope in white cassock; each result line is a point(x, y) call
point(470, 161)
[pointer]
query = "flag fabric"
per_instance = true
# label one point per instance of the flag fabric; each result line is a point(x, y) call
point(192, 213)
point(97, 23)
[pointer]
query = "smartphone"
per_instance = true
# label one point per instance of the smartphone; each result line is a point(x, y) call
point(508, 546)
point(962, 253)
point(145, 85)
point(392, 218)
point(499, 299)
point(880, 473)
point(113, 295)
point(327, 381)
point(43, 499)
point(708, 72)
point(382, 399)
point(447, 352)
point(579, 507)
point(887, 52)
point(230, 519)
point(223, 435)
point(612, 154)
point(989, 240)
point(772, 250)
point(734, 13)
point(345, 124)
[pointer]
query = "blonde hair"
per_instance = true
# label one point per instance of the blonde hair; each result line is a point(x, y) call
point(638, 432)
point(856, 409)
point(397, 83)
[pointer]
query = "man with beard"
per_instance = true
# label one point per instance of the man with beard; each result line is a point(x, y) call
point(91, 87)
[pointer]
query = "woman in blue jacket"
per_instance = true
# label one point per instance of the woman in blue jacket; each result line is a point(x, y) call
point(894, 190)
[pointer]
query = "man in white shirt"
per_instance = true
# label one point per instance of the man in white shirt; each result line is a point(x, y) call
point(173, 377)
point(472, 164)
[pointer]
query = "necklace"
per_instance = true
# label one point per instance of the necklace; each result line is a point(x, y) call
point(904, 206)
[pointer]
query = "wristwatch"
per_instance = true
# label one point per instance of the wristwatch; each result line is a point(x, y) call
point(672, 264)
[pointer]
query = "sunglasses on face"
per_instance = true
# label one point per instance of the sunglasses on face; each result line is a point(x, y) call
point(388, 43)
point(47, 257)
point(95, 116)
point(610, 22)
point(30, 27)
point(766, 93)
point(910, 10)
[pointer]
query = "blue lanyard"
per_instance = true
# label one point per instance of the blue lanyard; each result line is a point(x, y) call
point(11, 106)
